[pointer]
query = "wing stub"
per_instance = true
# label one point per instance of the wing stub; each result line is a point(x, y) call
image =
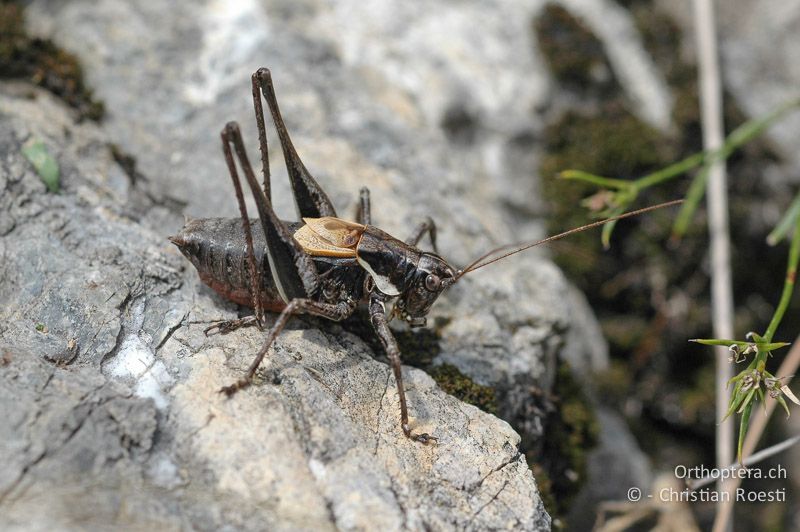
point(329, 237)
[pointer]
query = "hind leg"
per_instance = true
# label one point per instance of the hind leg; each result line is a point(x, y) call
point(292, 269)
point(285, 256)
point(311, 200)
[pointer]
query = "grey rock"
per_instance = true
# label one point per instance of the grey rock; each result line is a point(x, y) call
point(130, 431)
point(436, 118)
point(759, 43)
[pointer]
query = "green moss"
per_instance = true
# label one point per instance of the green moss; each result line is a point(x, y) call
point(614, 384)
point(573, 53)
point(571, 432)
point(455, 383)
point(419, 346)
point(545, 486)
point(613, 143)
point(42, 63)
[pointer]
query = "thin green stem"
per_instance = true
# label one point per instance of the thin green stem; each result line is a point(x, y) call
point(786, 223)
point(693, 197)
point(788, 285)
point(673, 170)
point(626, 191)
point(742, 134)
point(594, 179)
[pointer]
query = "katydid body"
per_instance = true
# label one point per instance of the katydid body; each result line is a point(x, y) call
point(322, 265)
point(326, 270)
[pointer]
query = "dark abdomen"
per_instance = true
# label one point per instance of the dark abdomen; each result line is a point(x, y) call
point(218, 250)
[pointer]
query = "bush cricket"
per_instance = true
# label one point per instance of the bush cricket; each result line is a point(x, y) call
point(324, 265)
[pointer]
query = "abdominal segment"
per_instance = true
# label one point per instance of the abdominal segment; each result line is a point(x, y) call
point(218, 250)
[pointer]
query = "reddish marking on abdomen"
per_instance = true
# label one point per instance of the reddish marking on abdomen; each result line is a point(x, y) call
point(241, 296)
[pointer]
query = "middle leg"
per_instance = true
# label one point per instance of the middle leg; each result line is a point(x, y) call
point(426, 226)
point(331, 311)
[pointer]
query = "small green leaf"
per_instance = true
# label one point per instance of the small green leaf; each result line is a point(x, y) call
point(697, 190)
point(716, 341)
point(762, 346)
point(772, 346)
point(45, 165)
point(743, 430)
point(594, 179)
point(782, 402)
point(605, 236)
point(786, 223)
point(736, 400)
point(737, 379)
point(748, 401)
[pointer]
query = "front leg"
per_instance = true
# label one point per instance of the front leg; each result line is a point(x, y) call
point(377, 313)
point(331, 311)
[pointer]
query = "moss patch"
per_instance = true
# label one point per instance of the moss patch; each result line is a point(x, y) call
point(418, 348)
point(573, 53)
point(571, 431)
point(42, 63)
point(611, 142)
point(455, 383)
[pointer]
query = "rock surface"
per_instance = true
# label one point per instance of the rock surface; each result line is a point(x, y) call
point(108, 385)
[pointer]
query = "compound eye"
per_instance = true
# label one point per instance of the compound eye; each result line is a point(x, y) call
point(433, 283)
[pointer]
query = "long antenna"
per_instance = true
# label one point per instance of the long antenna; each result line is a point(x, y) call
point(522, 246)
